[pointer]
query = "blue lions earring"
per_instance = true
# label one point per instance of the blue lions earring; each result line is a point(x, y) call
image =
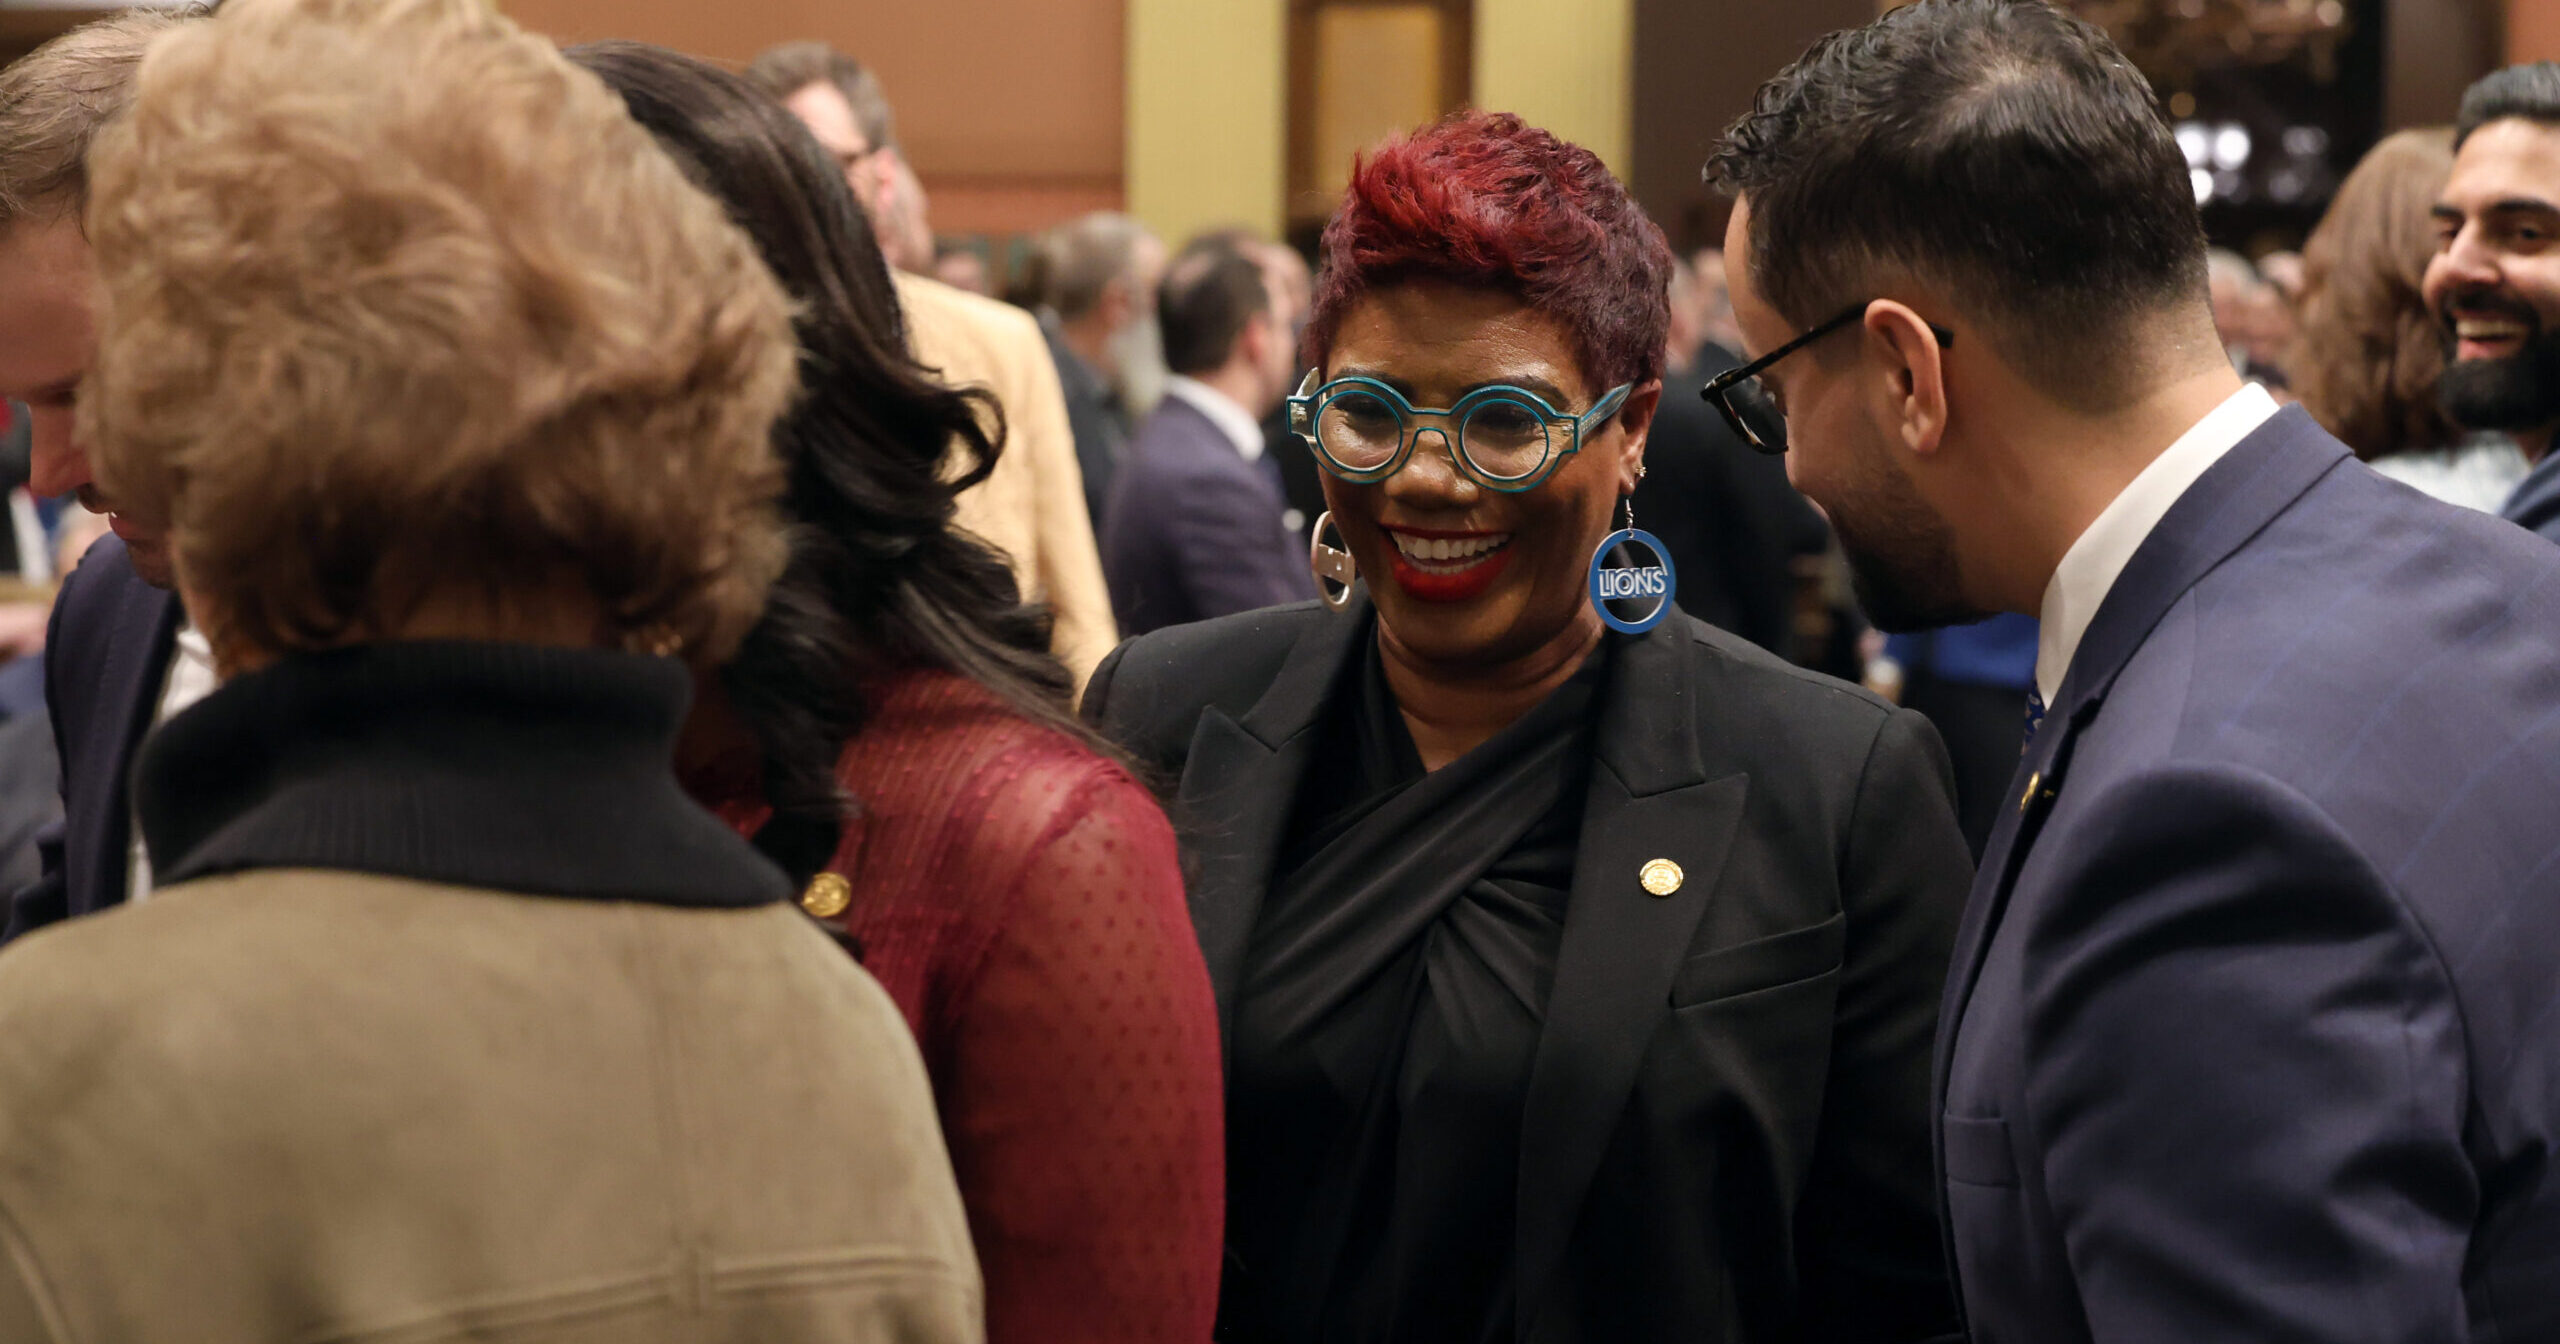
point(1632, 582)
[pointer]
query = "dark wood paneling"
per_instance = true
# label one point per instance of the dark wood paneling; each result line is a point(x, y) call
point(1697, 63)
point(1012, 111)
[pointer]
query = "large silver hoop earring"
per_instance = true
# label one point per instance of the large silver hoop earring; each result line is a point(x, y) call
point(1331, 565)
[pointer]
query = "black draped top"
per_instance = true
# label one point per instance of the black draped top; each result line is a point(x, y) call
point(1389, 1010)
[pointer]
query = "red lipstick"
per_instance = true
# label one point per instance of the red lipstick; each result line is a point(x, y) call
point(1442, 584)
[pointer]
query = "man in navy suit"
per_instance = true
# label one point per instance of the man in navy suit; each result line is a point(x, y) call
point(118, 657)
point(2495, 280)
point(1195, 527)
point(2253, 1028)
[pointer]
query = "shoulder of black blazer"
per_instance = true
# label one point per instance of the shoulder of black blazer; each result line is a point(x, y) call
point(1759, 710)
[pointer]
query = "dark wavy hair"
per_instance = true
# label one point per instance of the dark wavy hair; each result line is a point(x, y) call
point(878, 576)
point(2003, 150)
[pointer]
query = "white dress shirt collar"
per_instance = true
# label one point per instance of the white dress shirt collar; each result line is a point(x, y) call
point(190, 678)
point(2089, 569)
point(1233, 420)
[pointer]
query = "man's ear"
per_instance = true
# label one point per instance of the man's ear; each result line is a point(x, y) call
point(1912, 367)
point(1636, 416)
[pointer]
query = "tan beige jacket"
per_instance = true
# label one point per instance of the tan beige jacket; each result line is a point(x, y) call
point(1033, 507)
point(303, 1107)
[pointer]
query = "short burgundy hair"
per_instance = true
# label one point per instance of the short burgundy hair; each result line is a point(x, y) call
point(1485, 199)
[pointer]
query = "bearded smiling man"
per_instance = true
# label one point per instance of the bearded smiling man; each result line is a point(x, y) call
point(2247, 1034)
point(2495, 282)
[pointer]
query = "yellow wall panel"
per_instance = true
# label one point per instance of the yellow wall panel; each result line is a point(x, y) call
point(1566, 65)
point(1208, 114)
point(1377, 74)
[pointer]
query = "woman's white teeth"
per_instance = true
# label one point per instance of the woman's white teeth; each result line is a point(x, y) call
point(1449, 548)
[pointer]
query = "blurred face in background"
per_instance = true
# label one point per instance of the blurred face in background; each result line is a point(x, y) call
point(868, 168)
point(47, 339)
point(963, 269)
point(2495, 281)
point(1136, 344)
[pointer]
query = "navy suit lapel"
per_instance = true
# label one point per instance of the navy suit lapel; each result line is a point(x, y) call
point(1238, 783)
point(2258, 479)
point(141, 636)
point(1649, 798)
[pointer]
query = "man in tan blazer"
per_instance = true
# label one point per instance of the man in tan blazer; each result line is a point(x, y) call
point(1033, 506)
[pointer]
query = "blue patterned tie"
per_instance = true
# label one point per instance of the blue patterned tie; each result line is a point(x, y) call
point(2035, 717)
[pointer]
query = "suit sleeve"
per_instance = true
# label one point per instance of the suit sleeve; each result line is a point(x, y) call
point(1069, 564)
point(1230, 548)
point(1874, 1267)
point(2246, 1078)
point(47, 900)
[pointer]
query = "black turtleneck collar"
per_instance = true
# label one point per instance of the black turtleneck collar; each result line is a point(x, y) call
point(513, 767)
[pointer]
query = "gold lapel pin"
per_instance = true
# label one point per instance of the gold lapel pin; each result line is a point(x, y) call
point(2035, 785)
point(1661, 877)
point(828, 896)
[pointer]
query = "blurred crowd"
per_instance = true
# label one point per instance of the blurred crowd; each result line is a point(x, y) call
point(603, 735)
point(1158, 357)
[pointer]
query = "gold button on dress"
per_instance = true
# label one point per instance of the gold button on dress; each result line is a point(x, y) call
point(827, 896)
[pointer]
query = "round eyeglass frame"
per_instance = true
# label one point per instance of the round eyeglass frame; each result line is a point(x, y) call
point(1307, 408)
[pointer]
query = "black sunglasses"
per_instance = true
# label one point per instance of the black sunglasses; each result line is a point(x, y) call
point(1747, 405)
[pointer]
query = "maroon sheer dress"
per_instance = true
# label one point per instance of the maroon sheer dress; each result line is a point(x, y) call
point(1020, 898)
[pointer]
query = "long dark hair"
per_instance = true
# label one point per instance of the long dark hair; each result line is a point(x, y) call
point(878, 578)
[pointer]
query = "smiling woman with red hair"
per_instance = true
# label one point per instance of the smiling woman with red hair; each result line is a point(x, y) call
point(1577, 962)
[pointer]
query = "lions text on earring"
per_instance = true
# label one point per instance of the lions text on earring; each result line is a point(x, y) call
point(1617, 583)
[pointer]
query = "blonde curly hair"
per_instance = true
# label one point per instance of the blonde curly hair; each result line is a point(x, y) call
point(403, 309)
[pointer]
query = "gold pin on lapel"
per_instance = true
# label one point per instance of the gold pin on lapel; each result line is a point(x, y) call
point(828, 895)
point(2035, 785)
point(1661, 877)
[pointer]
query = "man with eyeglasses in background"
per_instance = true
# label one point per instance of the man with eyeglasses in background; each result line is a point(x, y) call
point(2247, 1035)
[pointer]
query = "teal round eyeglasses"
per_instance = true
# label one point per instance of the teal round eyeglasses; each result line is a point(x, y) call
point(1503, 437)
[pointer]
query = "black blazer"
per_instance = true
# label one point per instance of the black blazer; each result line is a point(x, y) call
point(1726, 1134)
point(106, 653)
